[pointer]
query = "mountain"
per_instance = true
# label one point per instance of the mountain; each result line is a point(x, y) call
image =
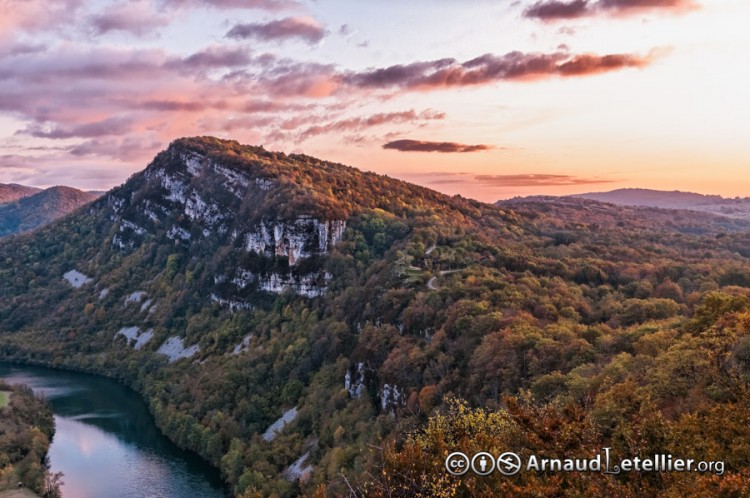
point(40, 208)
point(310, 329)
point(575, 209)
point(734, 208)
point(13, 192)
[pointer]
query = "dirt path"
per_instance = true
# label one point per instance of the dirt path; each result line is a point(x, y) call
point(431, 284)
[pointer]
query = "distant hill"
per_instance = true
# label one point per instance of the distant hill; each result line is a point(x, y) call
point(733, 208)
point(13, 192)
point(589, 212)
point(32, 211)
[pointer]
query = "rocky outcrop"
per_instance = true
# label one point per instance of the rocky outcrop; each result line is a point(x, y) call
point(305, 285)
point(174, 349)
point(355, 384)
point(189, 197)
point(297, 239)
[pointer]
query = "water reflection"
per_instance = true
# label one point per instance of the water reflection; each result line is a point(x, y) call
point(106, 442)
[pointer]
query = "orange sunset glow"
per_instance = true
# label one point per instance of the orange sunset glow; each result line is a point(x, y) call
point(489, 100)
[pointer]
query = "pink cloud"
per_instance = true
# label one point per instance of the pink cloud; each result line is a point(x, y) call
point(138, 18)
point(36, 16)
point(361, 123)
point(489, 68)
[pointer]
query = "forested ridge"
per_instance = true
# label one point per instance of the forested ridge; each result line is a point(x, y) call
point(371, 306)
point(40, 208)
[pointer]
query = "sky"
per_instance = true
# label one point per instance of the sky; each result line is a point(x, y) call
point(487, 99)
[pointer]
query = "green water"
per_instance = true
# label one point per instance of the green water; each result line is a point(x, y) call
point(106, 442)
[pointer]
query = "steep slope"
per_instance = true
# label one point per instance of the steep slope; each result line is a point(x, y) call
point(250, 270)
point(40, 208)
point(13, 192)
point(292, 320)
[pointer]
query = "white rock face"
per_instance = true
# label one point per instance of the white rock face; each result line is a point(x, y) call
point(235, 181)
point(176, 189)
point(130, 333)
point(118, 242)
point(76, 278)
point(355, 385)
point(194, 162)
point(232, 304)
point(208, 213)
point(115, 203)
point(263, 183)
point(146, 305)
point(298, 470)
point(178, 233)
point(141, 338)
point(306, 285)
point(279, 425)
point(390, 396)
point(135, 297)
point(242, 346)
point(174, 349)
point(298, 239)
point(243, 279)
point(129, 225)
point(103, 293)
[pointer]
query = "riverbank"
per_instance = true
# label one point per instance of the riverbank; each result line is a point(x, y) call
point(26, 429)
point(119, 433)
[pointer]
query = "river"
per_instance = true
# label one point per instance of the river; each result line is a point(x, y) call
point(106, 443)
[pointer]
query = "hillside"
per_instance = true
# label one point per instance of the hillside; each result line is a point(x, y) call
point(14, 192)
point(734, 208)
point(302, 324)
point(26, 428)
point(40, 208)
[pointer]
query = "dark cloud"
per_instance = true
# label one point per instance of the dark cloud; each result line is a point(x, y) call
point(180, 105)
point(217, 57)
point(291, 79)
point(489, 68)
point(536, 180)
point(361, 123)
point(426, 146)
point(303, 28)
point(22, 49)
point(270, 5)
point(553, 10)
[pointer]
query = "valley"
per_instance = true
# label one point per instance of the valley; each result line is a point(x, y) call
point(311, 329)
